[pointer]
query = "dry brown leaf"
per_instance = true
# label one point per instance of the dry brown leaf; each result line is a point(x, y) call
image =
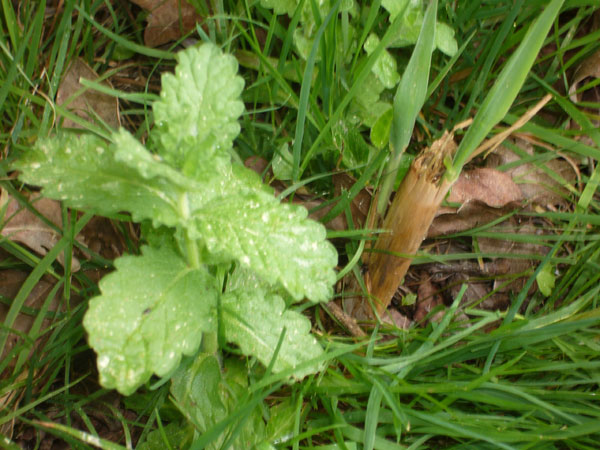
point(90, 103)
point(503, 245)
point(25, 227)
point(476, 291)
point(589, 68)
point(428, 298)
point(10, 284)
point(168, 20)
point(507, 266)
point(535, 184)
point(394, 317)
point(471, 215)
point(489, 186)
point(360, 204)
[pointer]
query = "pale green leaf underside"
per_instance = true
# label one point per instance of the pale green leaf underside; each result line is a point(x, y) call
point(275, 240)
point(196, 386)
point(152, 310)
point(196, 118)
point(281, 6)
point(412, 20)
point(385, 67)
point(208, 395)
point(89, 174)
point(254, 321)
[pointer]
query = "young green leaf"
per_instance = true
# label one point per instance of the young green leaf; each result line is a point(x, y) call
point(196, 388)
point(254, 320)
point(208, 396)
point(152, 310)
point(546, 280)
point(197, 115)
point(282, 162)
point(87, 173)
point(176, 434)
point(385, 67)
point(412, 22)
point(281, 6)
point(275, 240)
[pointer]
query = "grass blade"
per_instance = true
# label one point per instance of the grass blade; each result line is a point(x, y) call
point(505, 89)
point(409, 99)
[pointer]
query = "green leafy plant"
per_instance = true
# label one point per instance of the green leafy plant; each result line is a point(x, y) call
point(224, 258)
point(348, 62)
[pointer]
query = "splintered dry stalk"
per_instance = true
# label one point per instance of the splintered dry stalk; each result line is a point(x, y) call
point(428, 180)
point(409, 217)
point(413, 209)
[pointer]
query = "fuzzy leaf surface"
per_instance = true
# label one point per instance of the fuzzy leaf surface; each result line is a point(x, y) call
point(254, 320)
point(275, 240)
point(152, 310)
point(197, 115)
point(87, 173)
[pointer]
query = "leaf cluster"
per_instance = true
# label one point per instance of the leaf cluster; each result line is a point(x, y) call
point(214, 217)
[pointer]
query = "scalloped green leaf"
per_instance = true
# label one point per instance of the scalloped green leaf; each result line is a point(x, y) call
point(411, 27)
point(385, 68)
point(152, 310)
point(254, 320)
point(275, 240)
point(196, 118)
point(444, 39)
point(281, 6)
point(87, 173)
point(282, 162)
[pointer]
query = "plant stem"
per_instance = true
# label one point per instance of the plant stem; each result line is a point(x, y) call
point(408, 219)
point(505, 89)
point(193, 252)
point(408, 101)
point(191, 244)
point(389, 178)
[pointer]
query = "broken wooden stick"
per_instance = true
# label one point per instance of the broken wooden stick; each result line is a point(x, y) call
point(418, 198)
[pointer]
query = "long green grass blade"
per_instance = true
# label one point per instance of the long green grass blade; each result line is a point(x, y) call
point(409, 99)
point(505, 89)
point(304, 94)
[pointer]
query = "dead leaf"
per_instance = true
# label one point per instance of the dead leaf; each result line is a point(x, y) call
point(470, 215)
point(489, 186)
point(502, 245)
point(168, 20)
point(25, 227)
point(476, 291)
point(90, 104)
point(10, 284)
point(536, 185)
point(352, 300)
point(428, 298)
point(394, 317)
point(359, 206)
point(589, 68)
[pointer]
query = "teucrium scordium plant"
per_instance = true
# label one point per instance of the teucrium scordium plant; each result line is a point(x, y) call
point(156, 306)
